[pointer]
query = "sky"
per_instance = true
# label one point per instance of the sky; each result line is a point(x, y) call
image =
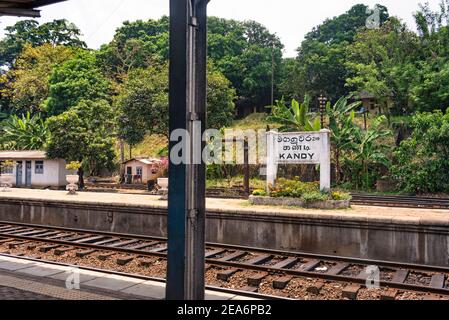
point(289, 19)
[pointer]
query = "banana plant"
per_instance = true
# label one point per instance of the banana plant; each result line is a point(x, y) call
point(343, 129)
point(24, 133)
point(369, 151)
point(295, 117)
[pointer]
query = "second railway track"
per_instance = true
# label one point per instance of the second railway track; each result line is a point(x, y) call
point(394, 201)
point(286, 265)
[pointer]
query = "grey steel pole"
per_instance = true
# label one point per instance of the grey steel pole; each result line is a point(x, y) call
point(272, 75)
point(187, 181)
point(246, 182)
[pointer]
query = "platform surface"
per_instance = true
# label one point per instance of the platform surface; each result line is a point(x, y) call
point(380, 214)
point(22, 279)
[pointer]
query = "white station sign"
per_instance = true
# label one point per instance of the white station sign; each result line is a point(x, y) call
point(299, 148)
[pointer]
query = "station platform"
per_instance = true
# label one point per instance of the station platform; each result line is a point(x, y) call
point(386, 214)
point(419, 236)
point(23, 279)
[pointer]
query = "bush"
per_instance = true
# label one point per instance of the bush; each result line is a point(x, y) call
point(422, 161)
point(73, 166)
point(315, 196)
point(306, 191)
point(260, 193)
point(293, 188)
point(340, 196)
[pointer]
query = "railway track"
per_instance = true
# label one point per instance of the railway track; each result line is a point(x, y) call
point(400, 201)
point(254, 295)
point(286, 266)
point(358, 199)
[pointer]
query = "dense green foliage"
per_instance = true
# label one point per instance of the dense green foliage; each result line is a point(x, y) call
point(73, 81)
point(220, 100)
point(294, 118)
point(24, 133)
point(83, 133)
point(423, 160)
point(343, 130)
point(405, 71)
point(30, 87)
point(55, 94)
point(242, 51)
point(57, 32)
point(320, 65)
point(143, 104)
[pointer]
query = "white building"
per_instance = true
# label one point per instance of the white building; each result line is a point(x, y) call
point(142, 170)
point(33, 169)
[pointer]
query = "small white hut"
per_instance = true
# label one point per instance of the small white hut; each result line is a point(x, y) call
point(33, 169)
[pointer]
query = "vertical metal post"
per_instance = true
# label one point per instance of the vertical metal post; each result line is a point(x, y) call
point(365, 119)
point(272, 75)
point(187, 187)
point(322, 101)
point(246, 167)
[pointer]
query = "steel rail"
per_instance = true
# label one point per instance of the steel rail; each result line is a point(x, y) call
point(361, 263)
point(357, 198)
point(125, 236)
point(146, 278)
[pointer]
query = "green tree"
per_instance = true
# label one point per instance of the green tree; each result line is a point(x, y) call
point(5, 95)
point(322, 55)
point(291, 85)
point(220, 100)
point(135, 45)
point(248, 55)
point(430, 22)
point(422, 161)
point(76, 80)
point(29, 86)
point(24, 133)
point(242, 51)
point(383, 62)
point(430, 88)
point(143, 103)
point(343, 28)
point(57, 32)
point(84, 133)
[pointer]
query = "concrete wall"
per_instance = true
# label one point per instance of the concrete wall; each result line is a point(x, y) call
point(53, 176)
point(422, 242)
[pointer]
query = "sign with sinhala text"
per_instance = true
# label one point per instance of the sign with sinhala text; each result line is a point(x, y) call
point(299, 148)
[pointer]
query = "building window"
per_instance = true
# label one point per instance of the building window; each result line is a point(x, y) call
point(139, 171)
point(39, 167)
point(7, 170)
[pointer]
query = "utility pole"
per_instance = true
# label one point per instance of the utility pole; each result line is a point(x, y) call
point(187, 180)
point(272, 75)
point(322, 99)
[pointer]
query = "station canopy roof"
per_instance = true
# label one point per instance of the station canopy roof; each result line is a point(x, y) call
point(22, 155)
point(24, 8)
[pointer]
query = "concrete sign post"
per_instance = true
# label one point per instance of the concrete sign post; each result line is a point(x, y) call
point(299, 148)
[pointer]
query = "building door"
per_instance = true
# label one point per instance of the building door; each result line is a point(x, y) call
point(129, 175)
point(139, 174)
point(28, 174)
point(19, 174)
